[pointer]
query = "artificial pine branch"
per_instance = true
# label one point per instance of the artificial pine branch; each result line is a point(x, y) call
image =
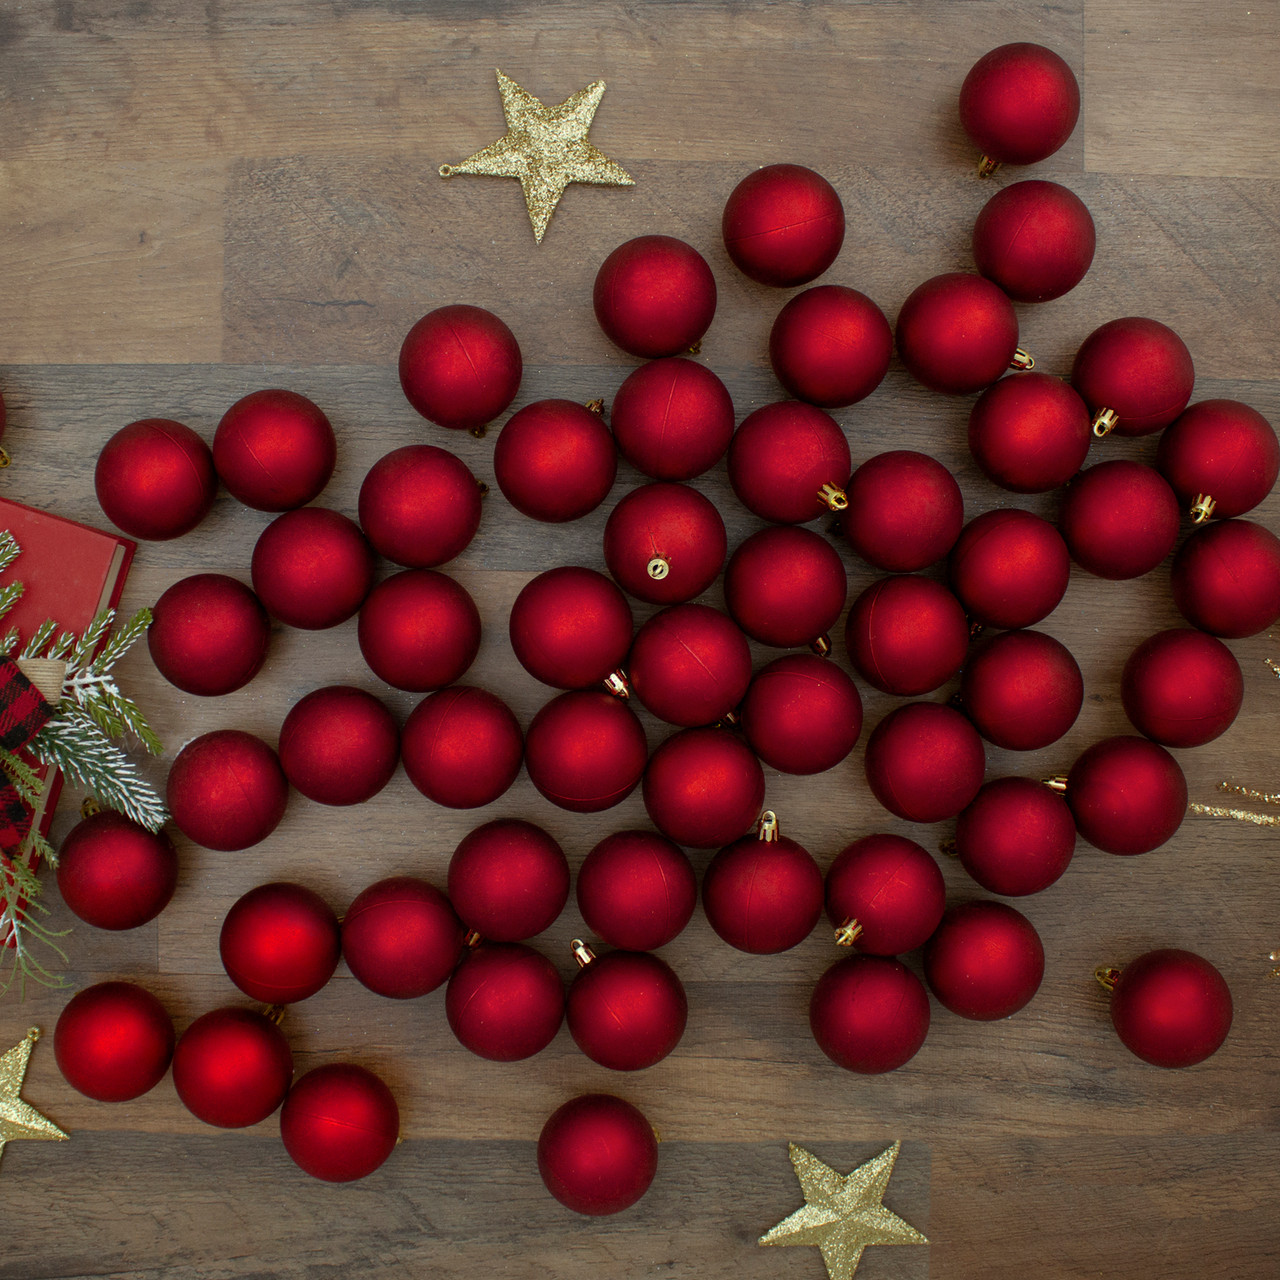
point(9, 549)
point(39, 640)
point(27, 782)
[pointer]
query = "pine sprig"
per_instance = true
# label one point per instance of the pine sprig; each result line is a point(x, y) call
point(18, 929)
point(26, 781)
point(40, 639)
point(9, 549)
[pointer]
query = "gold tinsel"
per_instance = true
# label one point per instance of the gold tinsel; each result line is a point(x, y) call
point(19, 1120)
point(1242, 815)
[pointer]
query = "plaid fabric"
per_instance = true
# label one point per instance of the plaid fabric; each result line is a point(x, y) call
point(15, 820)
point(23, 712)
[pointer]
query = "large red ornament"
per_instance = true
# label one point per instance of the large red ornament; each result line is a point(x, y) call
point(1017, 837)
point(869, 1014)
point(1134, 374)
point(1127, 795)
point(1010, 568)
point(155, 479)
point(1029, 432)
point(115, 874)
point(1171, 1008)
point(585, 751)
point(1019, 103)
point(985, 961)
point(1119, 519)
point(905, 511)
point(226, 790)
point(885, 895)
point(505, 1001)
point(232, 1067)
point(597, 1154)
point(1182, 688)
point(508, 880)
point(113, 1041)
point(637, 890)
point(339, 1122)
point(802, 714)
point(339, 745)
point(1226, 579)
point(703, 788)
point(280, 942)
point(924, 762)
point(460, 367)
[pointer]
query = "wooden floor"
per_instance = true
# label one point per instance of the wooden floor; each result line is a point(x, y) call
point(197, 201)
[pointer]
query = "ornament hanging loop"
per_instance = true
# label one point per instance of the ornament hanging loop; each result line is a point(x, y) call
point(833, 498)
point(1057, 783)
point(1202, 508)
point(657, 568)
point(1107, 976)
point(581, 952)
point(848, 933)
point(617, 684)
point(767, 828)
point(479, 432)
point(1022, 359)
point(4, 458)
point(446, 171)
point(1104, 422)
point(595, 406)
point(821, 646)
point(987, 166)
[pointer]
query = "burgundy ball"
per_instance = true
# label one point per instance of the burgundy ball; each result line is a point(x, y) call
point(1223, 450)
point(1030, 432)
point(280, 942)
point(1182, 688)
point(401, 937)
point(462, 747)
point(890, 888)
point(1171, 1008)
point(597, 1154)
point(114, 873)
point(802, 714)
point(226, 790)
point(508, 880)
point(505, 1001)
point(703, 788)
point(1019, 103)
point(985, 961)
point(924, 762)
point(905, 511)
point(339, 1122)
point(232, 1067)
point(1139, 369)
point(637, 890)
point(113, 1041)
point(869, 1014)
point(339, 745)
point(762, 896)
point(1009, 568)
point(1127, 795)
point(155, 479)
point(1017, 837)
point(1226, 579)
point(626, 1010)
point(1119, 519)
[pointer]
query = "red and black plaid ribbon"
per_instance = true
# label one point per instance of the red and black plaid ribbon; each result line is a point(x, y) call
point(23, 713)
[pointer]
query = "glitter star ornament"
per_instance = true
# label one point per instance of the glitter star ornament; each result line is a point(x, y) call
point(843, 1213)
point(18, 1119)
point(546, 148)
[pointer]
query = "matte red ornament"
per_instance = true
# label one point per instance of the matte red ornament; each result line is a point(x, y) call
point(597, 1154)
point(1134, 374)
point(885, 895)
point(208, 634)
point(905, 511)
point(654, 296)
point(1127, 795)
point(113, 1041)
point(1017, 837)
point(802, 714)
point(505, 1001)
point(232, 1067)
point(788, 461)
point(985, 961)
point(637, 890)
point(280, 942)
point(420, 506)
point(1119, 519)
point(401, 937)
point(1009, 568)
point(339, 745)
point(419, 630)
point(664, 543)
point(869, 1014)
point(1019, 103)
point(312, 568)
point(1029, 432)
point(114, 873)
point(462, 747)
point(460, 367)
point(672, 418)
point(1171, 1008)
point(1226, 579)
point(226, 790)
point(155, 479)
point(703, 788)
point(339, 1122)
point(1182, 688)
point(585, 751)
point(924, 762)
point(783, 225)
point(274, 450)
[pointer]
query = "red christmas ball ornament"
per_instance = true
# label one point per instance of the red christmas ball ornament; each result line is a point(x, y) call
point(505, 1001)
point(155, 479)
point(802, 714)
point(1029, 433)
point(401, 937)
point(1127, 795)
point(958, 333)
point(1171, 1008)
point(786, 587)
point(280, 942)
point(597, 1154)
point(626, 1009)
point(339, 745)
point(420, 506)
point(1226, 579)
point(570, 627)
point(783, 225)
point(924, 762)
point(637, 890)
point(274, 450)
point(1009, 568)
point(664, 543)
point(905, 511)
point(985, 961)
point(232, 1067)
point(339, 1122)
point(1119, 519)
point(869, 1014)
point(703, 788)
point(690, 665)
point(462, 747)
point(906, 635)
point(1017, 837)
point(226, 790)
point(788, 461)
point(1019, 103)
point(885, 895)
point(113, 1041)
point(114, 873)
point(830, 345)
point(654, 296)
point(672, 418)
point(419, 630)
point(1134, 374)
point(208, 634)
point(312, 568)
point(585, 751)
point(460, 367)
point(1182, 688)
point(508, 880)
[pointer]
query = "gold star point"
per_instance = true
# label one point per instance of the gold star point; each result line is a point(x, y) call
point(18, 1119)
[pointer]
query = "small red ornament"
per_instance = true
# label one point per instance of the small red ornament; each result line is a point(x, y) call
point(885, 895)
point(419, 630)
point(113, 1041)
point(905, 511)
point(654, 296)
point(339, 745)
point(312, 568)
point(869, 1014)
point(462, 747)
point(155, 479)
point(637, 890)
point(401, 937)
point(232, 1067)
point(597, 1154)
point(1010, 568)
point(226, 790)
point(985, 961)
point(585, 751)
point(783, 225)
point(664, 543)
point(208, 634)
point(1182, 688)
point(1134, 374)
point(280, 942)
point(460, 367)
point(1119, 519)
point(1017, 837)
point(1127, 795)
point(1226, 579)
point(1030, 432)
point(274, 450)
point(505, 1001)
point(703, 788)
point(115, 874)
point(924, 762)
point(339, 1122)
point(802, 714)
point(508, 880)
point(673, 419)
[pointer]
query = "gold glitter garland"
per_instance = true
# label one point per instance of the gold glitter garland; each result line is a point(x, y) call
point(1242, 815)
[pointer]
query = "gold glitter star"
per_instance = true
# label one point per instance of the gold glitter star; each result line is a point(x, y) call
point(546, 148)
point(17, 1119)
point(843, 1214)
